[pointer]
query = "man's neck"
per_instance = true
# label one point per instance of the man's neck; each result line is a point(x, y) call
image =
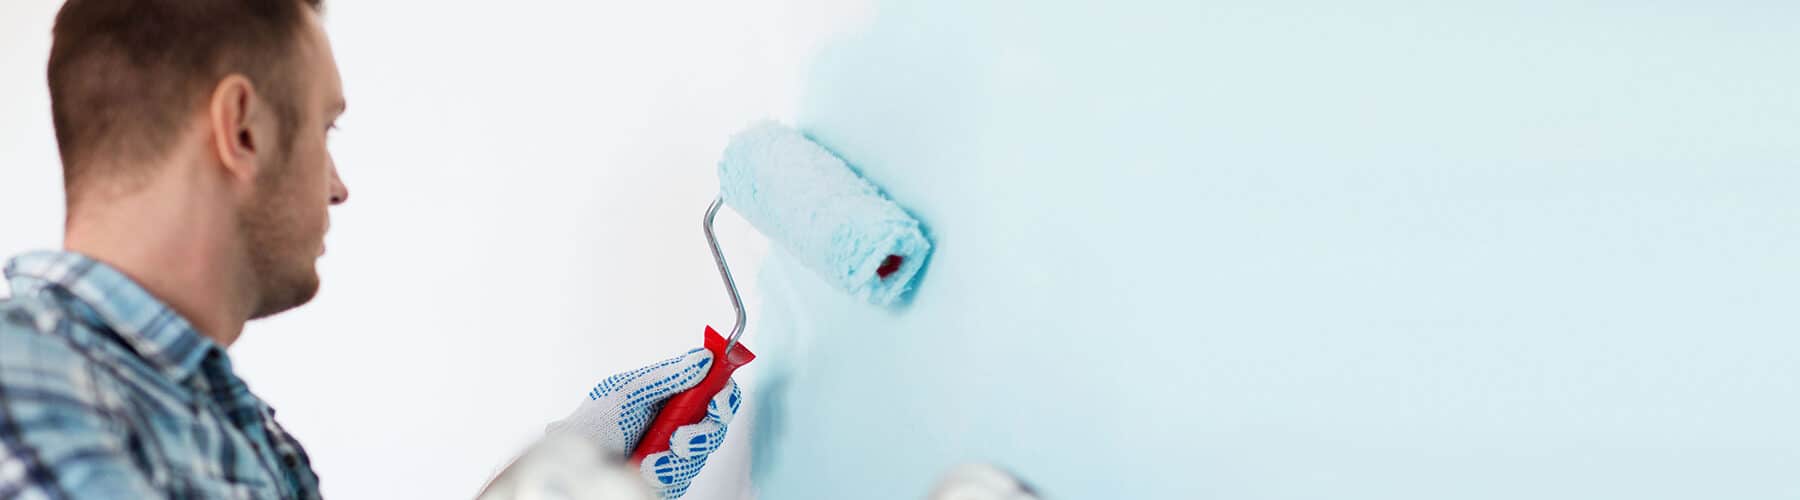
point(166, 238)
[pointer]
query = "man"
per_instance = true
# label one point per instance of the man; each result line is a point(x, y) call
point(193, 139)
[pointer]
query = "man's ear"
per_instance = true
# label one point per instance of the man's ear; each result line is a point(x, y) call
point(231, 111)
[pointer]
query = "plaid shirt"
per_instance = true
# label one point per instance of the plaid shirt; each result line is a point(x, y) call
point(107, 393)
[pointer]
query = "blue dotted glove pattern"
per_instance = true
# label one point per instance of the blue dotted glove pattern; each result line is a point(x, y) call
point(620, 408)
point(671, 472)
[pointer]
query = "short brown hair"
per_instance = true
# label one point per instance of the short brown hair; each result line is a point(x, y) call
point(124, 74)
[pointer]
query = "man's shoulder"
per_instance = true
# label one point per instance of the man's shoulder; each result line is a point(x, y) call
point(62, 435)
point(47, 375)
point(29, 320)
point(37, 341)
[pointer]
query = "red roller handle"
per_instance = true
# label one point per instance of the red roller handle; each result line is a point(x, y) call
point(689, 407)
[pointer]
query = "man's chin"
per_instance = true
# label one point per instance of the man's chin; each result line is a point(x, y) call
point(292, 294)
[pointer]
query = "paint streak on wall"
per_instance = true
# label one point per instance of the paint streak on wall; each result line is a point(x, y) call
point(1309, 249)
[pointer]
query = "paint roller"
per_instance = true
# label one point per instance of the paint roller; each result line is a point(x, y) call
point(812, 204)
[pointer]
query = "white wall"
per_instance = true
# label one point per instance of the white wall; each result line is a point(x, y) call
point(527, 180)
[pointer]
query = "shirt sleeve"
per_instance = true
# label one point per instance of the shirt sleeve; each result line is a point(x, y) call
point(58, 439)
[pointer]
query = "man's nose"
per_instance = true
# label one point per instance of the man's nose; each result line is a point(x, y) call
point(339, 193)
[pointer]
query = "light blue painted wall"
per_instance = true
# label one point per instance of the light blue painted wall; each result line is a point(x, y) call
point(1310, 249)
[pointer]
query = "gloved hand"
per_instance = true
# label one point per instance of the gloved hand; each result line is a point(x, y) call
point(619, 409)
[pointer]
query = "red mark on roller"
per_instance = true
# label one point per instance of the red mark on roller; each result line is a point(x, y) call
point(888, 266)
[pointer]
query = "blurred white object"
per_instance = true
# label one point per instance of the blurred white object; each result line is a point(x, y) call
point(564, 467)
point(981, 482)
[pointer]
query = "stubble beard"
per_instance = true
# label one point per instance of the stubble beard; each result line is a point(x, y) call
point(281, 266)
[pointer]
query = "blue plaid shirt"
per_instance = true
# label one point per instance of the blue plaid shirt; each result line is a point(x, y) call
point(105, 392)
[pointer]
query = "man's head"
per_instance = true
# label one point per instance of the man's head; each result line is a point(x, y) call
point(233, 96)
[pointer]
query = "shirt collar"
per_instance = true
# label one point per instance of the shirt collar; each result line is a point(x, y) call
point(114, 301)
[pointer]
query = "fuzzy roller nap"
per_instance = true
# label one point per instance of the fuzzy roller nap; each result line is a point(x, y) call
point(809, 201)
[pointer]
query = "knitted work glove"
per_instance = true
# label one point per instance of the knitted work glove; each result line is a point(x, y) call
point(620, 408)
